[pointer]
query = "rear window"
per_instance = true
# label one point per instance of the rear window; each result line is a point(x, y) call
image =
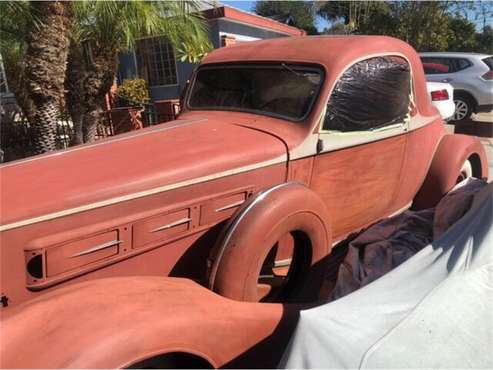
point(489, 62)
point(286, 91)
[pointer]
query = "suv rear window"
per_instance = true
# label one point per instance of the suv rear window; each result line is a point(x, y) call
point(286, 91)
point(489, 62)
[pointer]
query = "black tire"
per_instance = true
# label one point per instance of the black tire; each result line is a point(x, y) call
point(464, 107)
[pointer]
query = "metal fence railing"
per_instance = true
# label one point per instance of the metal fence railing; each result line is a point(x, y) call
point(149, 115)
point(16, 136)
point(16, 133)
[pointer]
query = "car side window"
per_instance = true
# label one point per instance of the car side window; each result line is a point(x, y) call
point(433, 66)
point(370, 94)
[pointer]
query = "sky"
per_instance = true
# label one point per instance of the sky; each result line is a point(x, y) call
point(321, 23)
point(248, 6)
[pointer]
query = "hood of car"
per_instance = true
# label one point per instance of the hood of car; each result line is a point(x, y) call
point(161, 158)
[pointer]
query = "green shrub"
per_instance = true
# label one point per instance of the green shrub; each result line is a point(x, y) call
point(134, 91)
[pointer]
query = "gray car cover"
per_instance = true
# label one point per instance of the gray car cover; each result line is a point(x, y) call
point(434, 310)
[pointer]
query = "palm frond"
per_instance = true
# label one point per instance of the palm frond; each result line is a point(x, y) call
point(119, 24)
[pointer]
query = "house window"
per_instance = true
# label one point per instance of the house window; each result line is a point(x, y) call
point(156, 61)
point(370, 94)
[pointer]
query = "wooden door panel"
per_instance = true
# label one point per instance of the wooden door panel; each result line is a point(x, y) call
point(359, 183)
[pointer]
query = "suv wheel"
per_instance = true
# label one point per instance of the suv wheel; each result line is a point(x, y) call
point(463, 108)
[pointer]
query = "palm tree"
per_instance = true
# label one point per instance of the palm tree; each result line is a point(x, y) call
point(35, 49)
point(45, 66)
point(103, 29)
point(15, 22)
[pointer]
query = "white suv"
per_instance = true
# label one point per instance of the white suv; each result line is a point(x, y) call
point(471, 76)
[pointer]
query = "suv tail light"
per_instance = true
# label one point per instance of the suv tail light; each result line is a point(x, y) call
point(439, 95)
point(488, 76)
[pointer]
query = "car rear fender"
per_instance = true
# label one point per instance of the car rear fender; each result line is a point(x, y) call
point(453, 150)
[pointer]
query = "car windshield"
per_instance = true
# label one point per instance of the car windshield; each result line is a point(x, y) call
point(286, 91)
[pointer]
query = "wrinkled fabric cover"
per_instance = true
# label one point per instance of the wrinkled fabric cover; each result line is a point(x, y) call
point(387, 244)
point(433, 311)
point(381, 248)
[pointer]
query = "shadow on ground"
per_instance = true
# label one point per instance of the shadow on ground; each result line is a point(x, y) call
point(476, 128)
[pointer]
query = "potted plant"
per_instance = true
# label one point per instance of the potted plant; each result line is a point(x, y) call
point(132, 94)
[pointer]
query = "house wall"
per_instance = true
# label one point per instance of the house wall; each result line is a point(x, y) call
point(230, 27)
point(217, 28)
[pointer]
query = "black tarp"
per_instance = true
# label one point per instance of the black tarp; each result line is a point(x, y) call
point(370, 94)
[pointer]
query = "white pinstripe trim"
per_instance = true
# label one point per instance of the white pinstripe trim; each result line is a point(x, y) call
point(124, 198)
point(335, 140)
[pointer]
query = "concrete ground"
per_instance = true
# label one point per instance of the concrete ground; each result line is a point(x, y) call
point(480, 125)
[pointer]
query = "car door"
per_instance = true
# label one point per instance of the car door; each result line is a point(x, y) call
point(362, 142)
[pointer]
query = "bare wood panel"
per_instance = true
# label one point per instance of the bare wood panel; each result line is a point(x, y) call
point(358, 184)
point(301, 170)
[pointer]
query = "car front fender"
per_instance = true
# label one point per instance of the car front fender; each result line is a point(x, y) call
point(116, 322)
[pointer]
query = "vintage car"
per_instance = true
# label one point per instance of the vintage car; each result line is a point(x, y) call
point(432, 310)
point(284, 148)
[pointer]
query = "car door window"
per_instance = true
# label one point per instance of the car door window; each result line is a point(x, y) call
point(371, 94)
point(433, 66)
point(440, 65)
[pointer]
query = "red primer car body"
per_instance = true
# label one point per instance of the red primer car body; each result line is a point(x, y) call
point(156, 201)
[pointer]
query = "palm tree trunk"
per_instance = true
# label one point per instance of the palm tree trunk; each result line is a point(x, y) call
point(100, 78)
point(45, 61)
point(44, 127)
point(77, 121)
point(91, 120)
point(75, 80)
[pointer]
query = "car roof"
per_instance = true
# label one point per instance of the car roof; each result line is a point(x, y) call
point(453, 54)
point(325, 50)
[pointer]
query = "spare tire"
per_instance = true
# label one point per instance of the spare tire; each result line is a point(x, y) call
point(247, 239)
